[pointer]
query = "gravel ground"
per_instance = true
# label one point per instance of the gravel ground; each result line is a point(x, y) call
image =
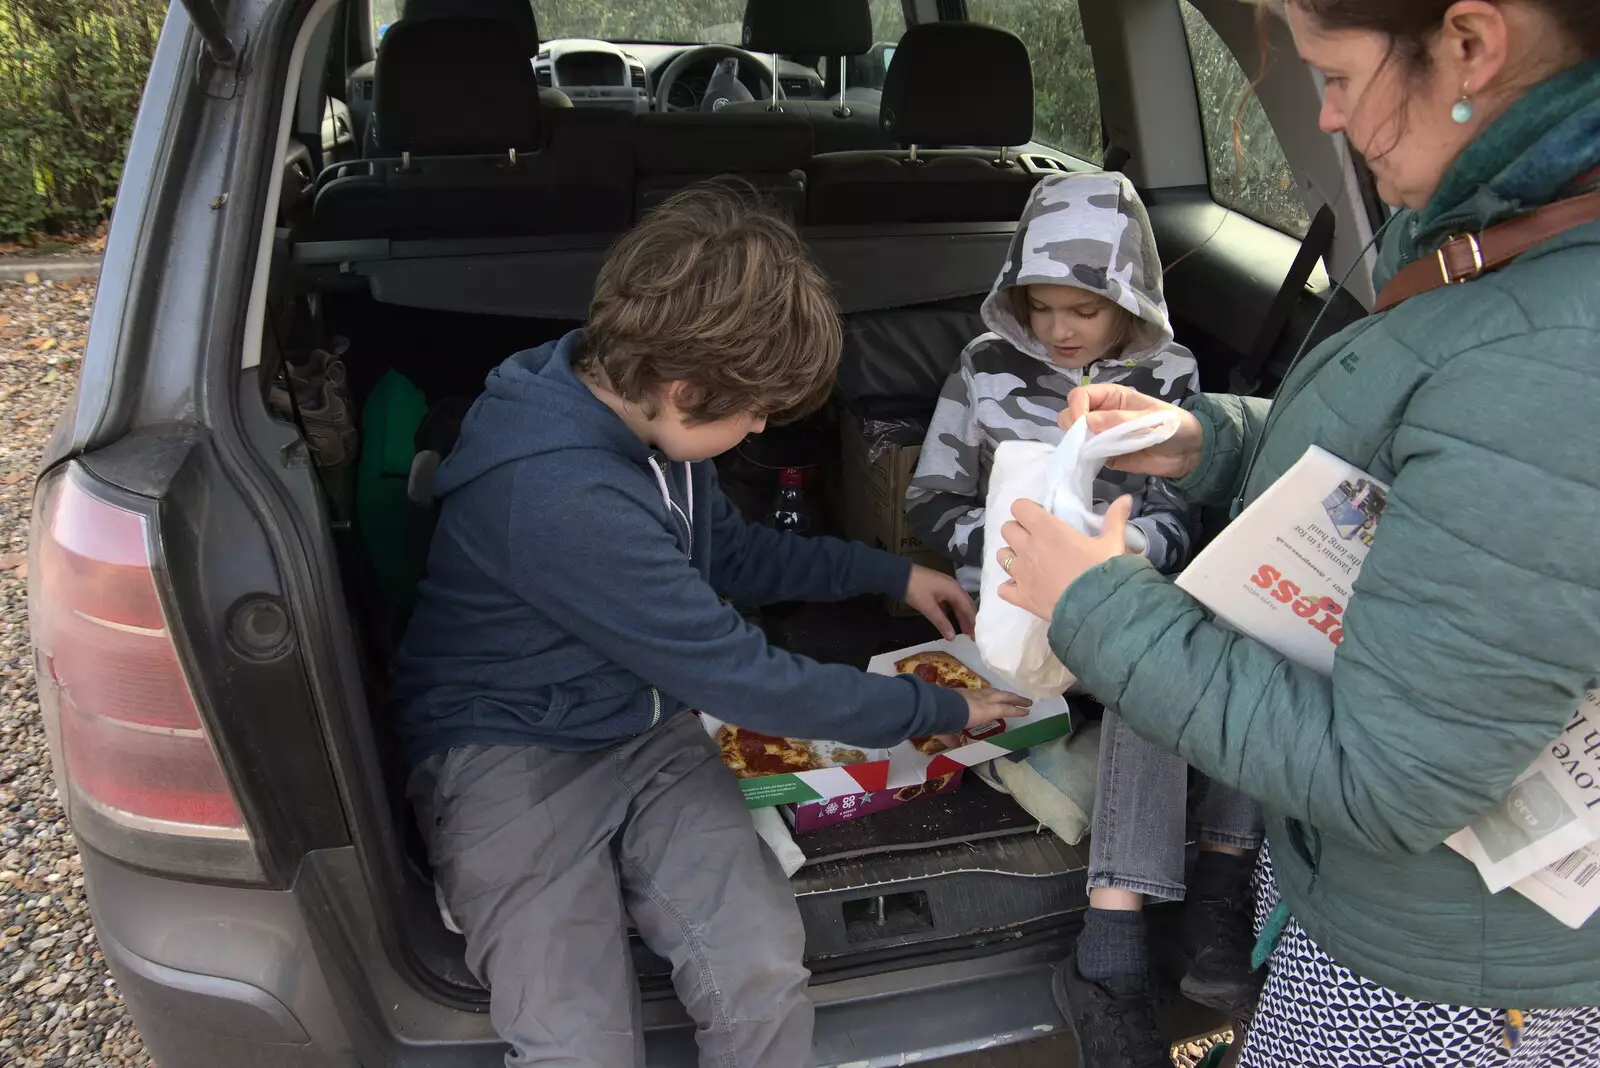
point(58, 1007)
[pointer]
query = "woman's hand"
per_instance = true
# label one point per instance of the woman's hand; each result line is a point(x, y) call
point(1106, 406)
point(1044, 555)
point(938, 596)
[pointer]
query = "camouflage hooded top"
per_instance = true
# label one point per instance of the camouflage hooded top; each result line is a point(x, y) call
point(1084, 230)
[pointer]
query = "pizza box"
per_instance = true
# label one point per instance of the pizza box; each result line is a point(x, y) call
point(1048, 718)
point(837, 780)
point(810, 816)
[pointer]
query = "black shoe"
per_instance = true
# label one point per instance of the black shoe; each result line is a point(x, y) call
point(1218, 936)
point(1115, 1020)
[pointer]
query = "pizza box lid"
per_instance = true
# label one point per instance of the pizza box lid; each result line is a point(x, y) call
point(794, 787)
point(1048, 718)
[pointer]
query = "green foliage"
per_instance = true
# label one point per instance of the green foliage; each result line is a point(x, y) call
point(1248, 169)
point(71, 73)
point(1066, 102)
point(696, 21)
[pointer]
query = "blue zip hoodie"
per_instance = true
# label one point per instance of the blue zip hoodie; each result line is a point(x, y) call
point(574, 583)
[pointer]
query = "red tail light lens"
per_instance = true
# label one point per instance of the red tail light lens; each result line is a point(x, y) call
point(129, 743)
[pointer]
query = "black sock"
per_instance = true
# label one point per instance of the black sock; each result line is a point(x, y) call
point(1219, 874)
point(1111, 945)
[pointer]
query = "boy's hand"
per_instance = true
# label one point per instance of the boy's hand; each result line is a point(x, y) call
point(986, 706)
point(937, 595)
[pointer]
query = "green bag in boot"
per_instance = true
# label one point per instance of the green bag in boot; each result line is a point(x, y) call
point(389, 420)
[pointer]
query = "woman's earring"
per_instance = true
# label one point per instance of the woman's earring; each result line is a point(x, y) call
point(1461, 112)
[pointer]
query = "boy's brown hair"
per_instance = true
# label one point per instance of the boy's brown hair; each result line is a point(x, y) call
point(716, 291)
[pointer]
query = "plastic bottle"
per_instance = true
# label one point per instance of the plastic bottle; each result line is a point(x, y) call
point(789, 508)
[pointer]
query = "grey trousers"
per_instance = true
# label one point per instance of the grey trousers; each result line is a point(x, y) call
point(1140, 816)
point(543, 856)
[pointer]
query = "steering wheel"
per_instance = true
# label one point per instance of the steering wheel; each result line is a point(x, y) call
point(711, 54)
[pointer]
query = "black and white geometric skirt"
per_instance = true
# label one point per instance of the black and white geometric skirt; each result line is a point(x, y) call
point(1315, 1014)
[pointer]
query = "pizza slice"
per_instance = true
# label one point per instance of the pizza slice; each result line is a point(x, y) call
point(944, 669)
point(750, 754)
point(941, 669)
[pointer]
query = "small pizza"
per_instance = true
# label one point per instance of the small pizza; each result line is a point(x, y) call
point(750, 754)
point(930, 787)
point(941, 669)
point(929, 745)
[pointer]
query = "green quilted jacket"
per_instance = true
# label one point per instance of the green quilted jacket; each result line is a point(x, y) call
point(1474, 628)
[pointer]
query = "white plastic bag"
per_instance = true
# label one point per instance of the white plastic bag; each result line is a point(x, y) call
point(1011, 640)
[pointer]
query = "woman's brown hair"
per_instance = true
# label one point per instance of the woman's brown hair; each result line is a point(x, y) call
point(715, 291)
point(1411, 24)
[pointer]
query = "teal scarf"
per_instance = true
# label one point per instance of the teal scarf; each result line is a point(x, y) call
point(1545, 143)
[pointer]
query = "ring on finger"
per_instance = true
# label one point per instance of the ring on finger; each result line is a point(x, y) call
point(1011, 558)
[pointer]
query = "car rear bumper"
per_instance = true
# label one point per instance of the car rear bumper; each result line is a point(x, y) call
point(225, 975)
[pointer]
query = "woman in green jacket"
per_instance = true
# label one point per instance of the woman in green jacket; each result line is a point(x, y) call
point(1474, 630)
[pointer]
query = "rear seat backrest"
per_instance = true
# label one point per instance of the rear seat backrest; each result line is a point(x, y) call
point(951, 83)
point(471, 151)
point(677, 149)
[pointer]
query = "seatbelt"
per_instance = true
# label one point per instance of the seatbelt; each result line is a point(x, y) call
point(1246, 377)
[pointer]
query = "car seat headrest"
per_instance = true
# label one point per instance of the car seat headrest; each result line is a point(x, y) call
point(808, 27)
point(958, 83)
point(455, 86)
point(518, 14)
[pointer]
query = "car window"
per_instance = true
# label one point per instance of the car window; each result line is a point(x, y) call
point(665, 21)
point(888, 24)
point(385, 13)
point(1244, 160)
point(1066, 101)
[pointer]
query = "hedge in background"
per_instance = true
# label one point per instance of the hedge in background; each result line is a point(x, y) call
point(71, 72)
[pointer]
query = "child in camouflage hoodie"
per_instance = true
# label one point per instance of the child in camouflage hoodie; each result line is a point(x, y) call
point(1078, 301)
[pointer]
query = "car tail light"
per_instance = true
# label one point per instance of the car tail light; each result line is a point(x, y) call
point(132, 755)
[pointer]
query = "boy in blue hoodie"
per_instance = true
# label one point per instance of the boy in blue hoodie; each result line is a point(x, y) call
point(573, 614)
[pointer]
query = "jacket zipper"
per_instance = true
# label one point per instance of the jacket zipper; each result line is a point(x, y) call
point(655, 706)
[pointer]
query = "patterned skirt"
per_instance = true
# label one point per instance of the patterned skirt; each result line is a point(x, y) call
point(1316, 1014)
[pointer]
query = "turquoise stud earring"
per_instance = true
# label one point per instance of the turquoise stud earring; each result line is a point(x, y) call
point(1461, 111)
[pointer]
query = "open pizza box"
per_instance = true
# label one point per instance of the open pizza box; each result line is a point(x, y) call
point(1048, 718)
point(840, 770)
point(835, 770)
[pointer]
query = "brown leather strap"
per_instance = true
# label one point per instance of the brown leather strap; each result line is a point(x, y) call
point(1465, 257)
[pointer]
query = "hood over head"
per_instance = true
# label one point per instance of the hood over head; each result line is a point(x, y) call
point(1089, 231)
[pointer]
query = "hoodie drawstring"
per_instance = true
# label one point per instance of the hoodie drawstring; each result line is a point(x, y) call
point(672, 506)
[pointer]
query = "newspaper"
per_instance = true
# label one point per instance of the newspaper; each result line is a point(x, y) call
point(1551, 810)
point(1568, 888)
point(1282, 573)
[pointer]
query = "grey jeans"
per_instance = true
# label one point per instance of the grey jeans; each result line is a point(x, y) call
point(543, 856)
point(1140, 816)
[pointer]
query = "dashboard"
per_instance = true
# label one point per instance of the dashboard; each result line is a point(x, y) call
point(593, 74)
point(601, 74)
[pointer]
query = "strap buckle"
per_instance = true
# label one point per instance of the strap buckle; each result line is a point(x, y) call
point(1477, 259)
